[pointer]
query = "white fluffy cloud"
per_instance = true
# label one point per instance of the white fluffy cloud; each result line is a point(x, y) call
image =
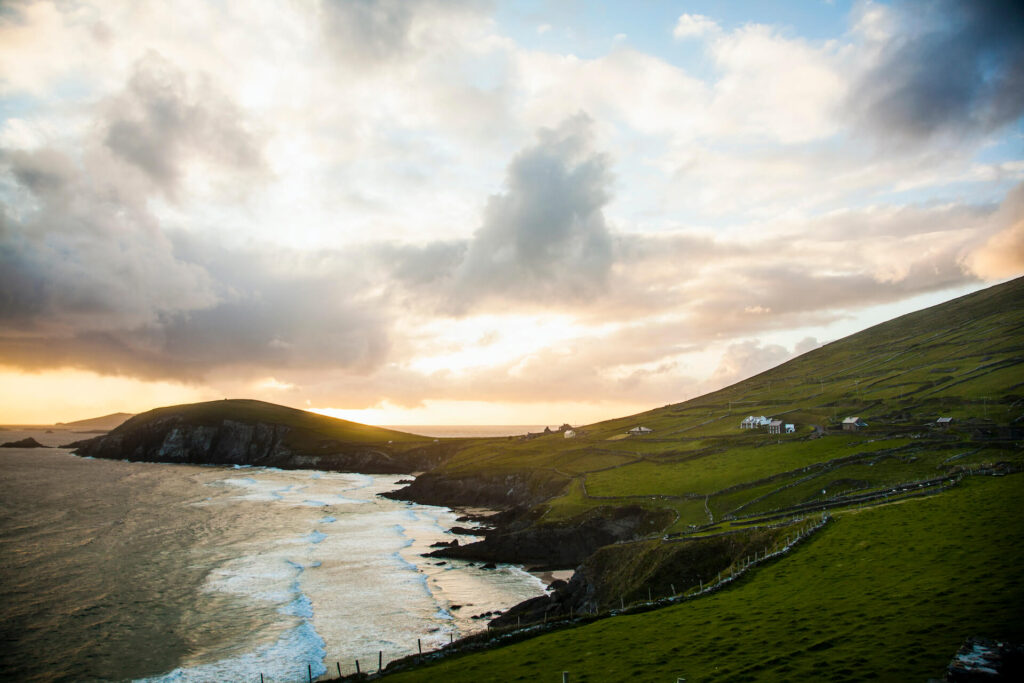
point(694, 26)
point(314, 192)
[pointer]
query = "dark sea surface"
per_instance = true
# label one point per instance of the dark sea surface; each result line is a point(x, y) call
point(114, 570)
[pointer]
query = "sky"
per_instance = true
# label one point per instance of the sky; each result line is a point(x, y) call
point(462, 212)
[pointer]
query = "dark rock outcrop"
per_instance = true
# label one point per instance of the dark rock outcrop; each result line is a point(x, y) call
point(557, 545)
point(173, 439)
point(491, 491)
point(28, 442)
point(983, 660)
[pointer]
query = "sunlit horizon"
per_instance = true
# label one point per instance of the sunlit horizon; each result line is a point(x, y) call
point(484, 213)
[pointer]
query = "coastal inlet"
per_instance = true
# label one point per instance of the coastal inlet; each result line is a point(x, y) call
point(119, 570)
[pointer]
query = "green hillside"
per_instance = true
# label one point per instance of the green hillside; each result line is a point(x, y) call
point(304, 425)
point(962, 359)
point(888, 593)
point(923, 549)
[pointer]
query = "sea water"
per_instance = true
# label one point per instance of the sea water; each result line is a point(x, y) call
point(116, 570)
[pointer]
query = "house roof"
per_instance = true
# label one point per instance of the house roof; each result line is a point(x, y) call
point(851, 420)
point(945, 420)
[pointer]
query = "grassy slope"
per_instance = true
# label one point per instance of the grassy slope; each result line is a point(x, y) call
point(306, 428)
point(886, 593)
point(890, 590)
point(964, 358)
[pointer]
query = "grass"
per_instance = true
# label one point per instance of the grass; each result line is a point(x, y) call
point(962, 359)
point(735, 466)
point(888, 594)
point(306, 427)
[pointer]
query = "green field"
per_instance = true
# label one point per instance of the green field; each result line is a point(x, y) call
point(306, 428)
point(888, 593)
point(963, 359)
point(925, 550)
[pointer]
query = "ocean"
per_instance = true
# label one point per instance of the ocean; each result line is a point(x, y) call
point(115, 570)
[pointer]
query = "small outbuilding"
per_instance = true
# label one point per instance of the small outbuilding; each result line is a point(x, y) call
point(944, 421)
point(569, 433)
point(852, 424)
point(640, 430)
point(789, 428)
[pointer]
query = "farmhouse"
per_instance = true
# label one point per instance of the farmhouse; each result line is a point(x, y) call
point(852, 424)
point(775, 427)
point(944, 421)
point(751, 422)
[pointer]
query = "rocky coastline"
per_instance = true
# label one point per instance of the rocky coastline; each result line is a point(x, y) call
point(514, 534)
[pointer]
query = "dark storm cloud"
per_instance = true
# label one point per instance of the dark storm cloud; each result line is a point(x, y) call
point(422, 266)
point(955, 66)
point(160, 119)
point(23, 289)
point(543, 241)
point(45, 172)
point(90, 278)
point(545, 237)
point(247, 313)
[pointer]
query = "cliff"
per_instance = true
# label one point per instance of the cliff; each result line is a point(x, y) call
point(256, 433)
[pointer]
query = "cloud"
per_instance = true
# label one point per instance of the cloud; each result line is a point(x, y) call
point(251, 313)
point(93, 277)
point(694, 26)
point(373, 33)
point(160, 120)
point(745, 359)
point(954, 67)
point(545, 237)
point(1001, 254)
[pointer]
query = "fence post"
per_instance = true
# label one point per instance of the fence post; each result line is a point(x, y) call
point(338, 664)
point(565, 677)
point(419, 645)
point(380, 660)
point(309, 667)
point(357, 668)
point(673, 589)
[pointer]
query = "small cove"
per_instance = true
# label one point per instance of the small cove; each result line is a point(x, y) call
point(224, 572)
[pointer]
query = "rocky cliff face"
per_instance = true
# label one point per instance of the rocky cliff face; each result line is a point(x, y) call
point(558, 545)
point(479, 490)
point(230, 442)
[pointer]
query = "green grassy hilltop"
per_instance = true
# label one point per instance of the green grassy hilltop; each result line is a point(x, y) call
point(888, 593)
point(923, 549)
point(963, 359)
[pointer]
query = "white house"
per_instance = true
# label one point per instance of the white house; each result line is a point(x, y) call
point(751, 422)
point(569, 433)
point(775, 427)
point(790, 428)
